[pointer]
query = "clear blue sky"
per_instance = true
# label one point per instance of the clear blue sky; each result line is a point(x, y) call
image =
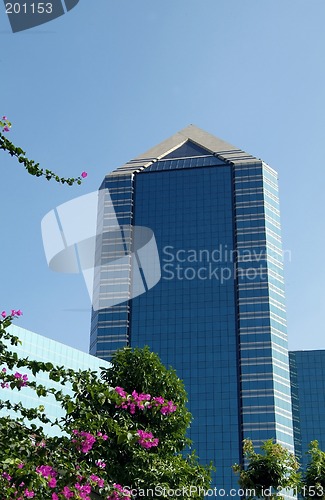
point(110, 79)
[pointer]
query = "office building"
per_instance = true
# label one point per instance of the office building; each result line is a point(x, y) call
point(307, 369)
point(41, 348)
point(217, 314)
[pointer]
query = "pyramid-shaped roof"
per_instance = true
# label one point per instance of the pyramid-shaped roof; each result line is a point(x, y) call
point(198, 140)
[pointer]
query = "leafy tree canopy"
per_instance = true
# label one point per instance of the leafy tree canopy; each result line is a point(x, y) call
point(265, 474)
point(124, 432)
point(314, 477)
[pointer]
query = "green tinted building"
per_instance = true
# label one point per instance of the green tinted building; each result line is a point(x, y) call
point(43, 349)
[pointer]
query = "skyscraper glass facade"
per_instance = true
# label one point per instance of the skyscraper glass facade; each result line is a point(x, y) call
point(40, 348)
point(217, 315)
point(308, 400)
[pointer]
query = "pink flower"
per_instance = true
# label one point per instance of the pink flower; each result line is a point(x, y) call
point(120, 391)
point(54, 496)
point(86, 442)
point(97, 480)
point(46, 471)
point(84, 175)
point(132, 408)
point(103, 436)
point(159, 400)
point(101, 464)
point(21, 465)
point(4, 370)
point(4, 314)
point(52, 482)
point(16, 313)
point(67, 493)
point(144, 397)
point(147, 440)
point(84, 489)
point(22, 379)
point(5, 118)
point(116, 494)
point(29, 494)
point(6, 129)
point(6, 476)
point(170, 408)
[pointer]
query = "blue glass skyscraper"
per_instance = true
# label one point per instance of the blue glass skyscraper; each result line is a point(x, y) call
point(307, 370)
point(217, 314)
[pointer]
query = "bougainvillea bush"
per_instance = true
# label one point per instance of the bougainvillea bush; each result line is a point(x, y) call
point(123, 434)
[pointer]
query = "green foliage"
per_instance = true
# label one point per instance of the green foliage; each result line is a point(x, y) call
point(31, 166)
point(314, 477)
point(95, 407)
point(264, 475)
point(141, 370)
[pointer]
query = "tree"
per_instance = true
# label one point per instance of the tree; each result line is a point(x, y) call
point(141, 370)
point(313, 485)
point(264, 475)
point(114, 434)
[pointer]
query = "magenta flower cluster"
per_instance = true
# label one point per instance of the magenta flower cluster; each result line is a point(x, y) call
point(84, 440)
point(103, 436)
point(81, 491)
point(100, 463)
point(97, 481)
point(119, 493)
point(142, 401)
point(146, 439)
point(5, 124)
point(21, 380)
point(6, 476)
point(26, 493)
point(49, 473)
point(13, 313)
